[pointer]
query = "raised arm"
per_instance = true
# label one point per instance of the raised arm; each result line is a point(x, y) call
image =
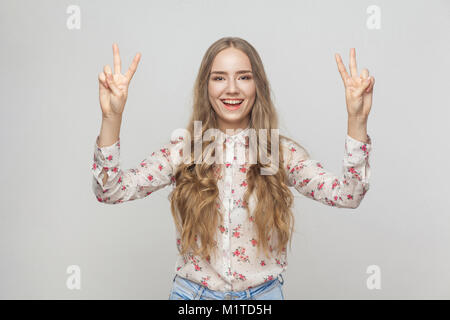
point(311, 179)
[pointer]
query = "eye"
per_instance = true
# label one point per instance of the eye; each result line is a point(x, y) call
point(217, 78)
point(248, 77)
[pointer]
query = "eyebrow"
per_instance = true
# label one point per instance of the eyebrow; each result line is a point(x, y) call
point(238, 72)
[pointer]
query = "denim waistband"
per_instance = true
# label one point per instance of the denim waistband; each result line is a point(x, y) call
point(199, 290)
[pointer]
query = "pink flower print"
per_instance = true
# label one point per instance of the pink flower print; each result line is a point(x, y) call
point(94, 166)
point(319, 165)
point(269, 278)
point(319, 187)
point(222, 229)
point(160, 167)
point(178, 268)
point(262, 263)
point(244, 183)
point(349, 196)
point(312, 194)
point(240, 253)
point(364, 191)
point(180, 152)
point(335, 198)
point(243, 169)
point(239, 276)
point(253, 242)
point(164, 151)
point(120, 179)
point(304, 182)
point(178, 241)
point(197, 267)
point(227, 164)
point(234, 157)
point(204, 281)
point(364, 148)
point(148, 193)
point(115, 169)
point(292, 149)
point(232, 190)
point(106, 169)
point(150, 177)
point(109, 157)
point(236, 232)
point(251, 219)
point(335, 183)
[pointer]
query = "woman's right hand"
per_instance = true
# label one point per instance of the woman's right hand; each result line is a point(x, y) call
point(113, 88)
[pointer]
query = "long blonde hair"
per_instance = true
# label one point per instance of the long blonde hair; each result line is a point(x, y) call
point(194, 200)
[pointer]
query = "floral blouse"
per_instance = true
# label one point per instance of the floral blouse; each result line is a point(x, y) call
point(237, 266)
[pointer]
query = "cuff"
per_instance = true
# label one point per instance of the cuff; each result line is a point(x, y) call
point(106, 157)
point(356, 150)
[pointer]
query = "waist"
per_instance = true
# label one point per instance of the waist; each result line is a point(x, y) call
point(199, 290)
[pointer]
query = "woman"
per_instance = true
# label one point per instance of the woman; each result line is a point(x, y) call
point(233, 223)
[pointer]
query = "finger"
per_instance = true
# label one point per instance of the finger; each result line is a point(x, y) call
point(102, 79)
point(107, 69)
point(364, 85)
point(116, 55)
point(133, 66)
point(353, 70)
point(341, 68)
point(112, 84)
point(364, 74)
point(372, 82)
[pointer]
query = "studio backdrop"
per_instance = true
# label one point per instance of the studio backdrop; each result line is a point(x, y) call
point(57, 241)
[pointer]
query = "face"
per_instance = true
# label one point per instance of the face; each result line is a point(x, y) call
point(231, 81)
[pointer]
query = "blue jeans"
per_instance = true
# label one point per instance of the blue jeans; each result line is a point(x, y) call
point(184, 289)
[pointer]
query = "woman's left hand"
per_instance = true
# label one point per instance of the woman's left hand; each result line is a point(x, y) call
point(358, 89)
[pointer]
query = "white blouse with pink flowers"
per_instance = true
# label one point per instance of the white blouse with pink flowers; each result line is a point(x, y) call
point(238, 266)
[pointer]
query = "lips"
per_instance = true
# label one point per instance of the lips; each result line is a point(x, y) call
point(230, 106)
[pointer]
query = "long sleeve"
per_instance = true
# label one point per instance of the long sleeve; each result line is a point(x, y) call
point(155, 172)
point(309, 177)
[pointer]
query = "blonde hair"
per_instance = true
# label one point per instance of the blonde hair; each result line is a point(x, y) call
point(194, 200)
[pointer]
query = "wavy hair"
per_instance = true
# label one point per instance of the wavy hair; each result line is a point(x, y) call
point(194, 201)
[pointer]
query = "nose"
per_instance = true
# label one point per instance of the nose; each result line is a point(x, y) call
point(232, 87)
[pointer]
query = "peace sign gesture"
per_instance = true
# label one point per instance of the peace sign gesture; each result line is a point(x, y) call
point(113, 88)
point(358, 89)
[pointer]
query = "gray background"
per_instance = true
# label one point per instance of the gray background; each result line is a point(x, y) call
point(50, 117)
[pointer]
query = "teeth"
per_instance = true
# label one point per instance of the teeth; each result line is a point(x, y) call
point(232, 101)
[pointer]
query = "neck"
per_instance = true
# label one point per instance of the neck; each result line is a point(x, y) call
point(234, 126)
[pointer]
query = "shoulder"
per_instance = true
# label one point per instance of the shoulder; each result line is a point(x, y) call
point(293, 149)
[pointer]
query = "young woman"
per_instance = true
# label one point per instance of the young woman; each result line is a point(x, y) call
point(233, 222)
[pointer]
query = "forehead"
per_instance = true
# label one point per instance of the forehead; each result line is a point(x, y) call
point(231, 59)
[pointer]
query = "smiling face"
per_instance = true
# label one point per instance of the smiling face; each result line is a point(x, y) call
point(231, 81)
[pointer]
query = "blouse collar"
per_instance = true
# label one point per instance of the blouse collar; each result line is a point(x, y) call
point(237, 137)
